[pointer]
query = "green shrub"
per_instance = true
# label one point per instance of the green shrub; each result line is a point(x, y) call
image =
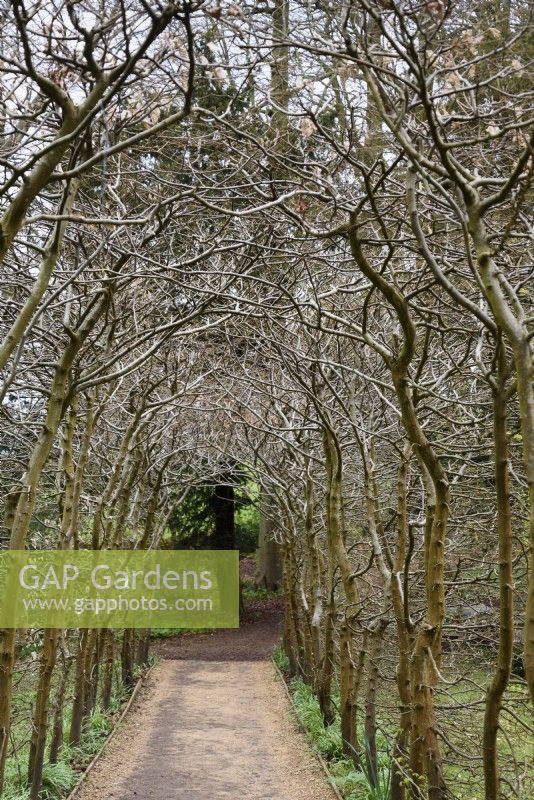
point(280, 659)
point(352, 783)
point(247, 525)
point(95, 732)
point(57, 780)
point(14, 788)
point(99, 723)
point(257, 593)
point(355, 785)
point(166, 633)
point(326, 739)
point(15, 793)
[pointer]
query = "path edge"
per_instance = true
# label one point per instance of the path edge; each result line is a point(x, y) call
point(96, 758)
point(318, 756)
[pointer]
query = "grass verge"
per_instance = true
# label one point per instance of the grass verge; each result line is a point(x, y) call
point(60, 778)
point(326, 740)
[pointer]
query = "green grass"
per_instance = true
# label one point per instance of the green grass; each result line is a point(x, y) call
point(354, 784)
point(11, 792)
point(93, 737)
point(326, 740)
point(59, 778)
point(166, 633)
point(462, 706)
point(14, 782)
point(280, 659)
point(254, 593)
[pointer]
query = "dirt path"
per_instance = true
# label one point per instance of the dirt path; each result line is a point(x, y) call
point(212, 722)
point(254, 640)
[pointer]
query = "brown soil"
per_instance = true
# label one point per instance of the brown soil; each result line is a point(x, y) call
point(254, 640)
point(212, 722)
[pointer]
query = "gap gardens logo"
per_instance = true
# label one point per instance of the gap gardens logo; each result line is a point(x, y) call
point(119, 589)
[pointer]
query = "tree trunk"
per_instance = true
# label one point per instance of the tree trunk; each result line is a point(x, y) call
point(223, 501)
point(109, 660)
point(88, 674)
point(512, 319)
point(324, 691)
point(340, 558)
point(75, 733)
point(400, 604)
point(269, 574)
point(371, 760)
point(127, 658)
point(93, 673)
point(424, 741)
point(21, 511)
point(292, 629)
point(500, 680)
point(40, 717)
point(56, 742)
point(143, 648)
point(52, 637)
point(346, 693)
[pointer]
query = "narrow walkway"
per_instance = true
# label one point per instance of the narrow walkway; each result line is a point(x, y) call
point(208, 731)
point(213, 722)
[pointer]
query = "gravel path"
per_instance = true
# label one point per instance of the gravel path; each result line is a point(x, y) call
point(208, 730)
point(254, 640)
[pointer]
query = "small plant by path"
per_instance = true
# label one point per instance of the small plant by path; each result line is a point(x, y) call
point(326, 740)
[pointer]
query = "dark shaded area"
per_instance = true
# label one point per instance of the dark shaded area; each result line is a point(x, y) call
point(206, 518)
point(223, 504)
